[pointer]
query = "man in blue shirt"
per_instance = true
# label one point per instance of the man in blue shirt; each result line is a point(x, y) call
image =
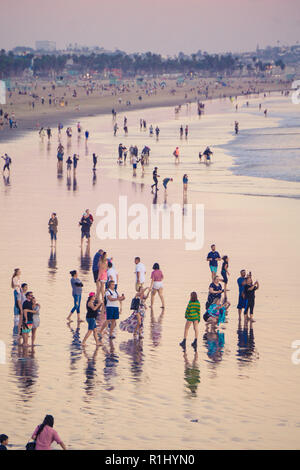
point(241, 283)
point(96, 270)
point(213, 257)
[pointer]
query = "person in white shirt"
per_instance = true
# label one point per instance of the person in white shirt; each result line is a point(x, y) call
point(112, 275)
point(140, 272)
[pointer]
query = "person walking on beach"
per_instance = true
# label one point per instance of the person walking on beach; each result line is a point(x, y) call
point(185, 181)
point(95, 159)
point(236, 127)
point(18, 320)
point(213, 257)
point(176, 154)
point(93, 308)
point(181, 131)
point(140, 272)
point(241, 281)
point(75, 160)
point(192, 315)
point(186, 130)
point(225, 272)
point(16, 286)
point(52, 226)
point(155, 176)
point(165, 183)
point(69, 163)
point(76, 285)
point(249, 293)
point(85, 224)
point(112, 311)
point(49, 134)
point(44, 435)
point(157, 285)
point(7, 163)
point(134, 165)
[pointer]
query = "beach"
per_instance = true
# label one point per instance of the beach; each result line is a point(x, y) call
point(104, 97)
point(240, 391)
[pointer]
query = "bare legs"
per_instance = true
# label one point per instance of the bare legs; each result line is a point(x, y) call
point(160, 293)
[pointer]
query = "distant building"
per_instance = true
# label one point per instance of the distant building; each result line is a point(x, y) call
point(47, 46)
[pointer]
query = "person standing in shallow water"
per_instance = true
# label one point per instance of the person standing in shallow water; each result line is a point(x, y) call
point(213, 257)
point(52, 224)
point(76, 293)
point(92, 307)
point(192, 315)
point(157, 285)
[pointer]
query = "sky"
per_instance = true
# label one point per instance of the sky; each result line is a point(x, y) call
point(163, 26)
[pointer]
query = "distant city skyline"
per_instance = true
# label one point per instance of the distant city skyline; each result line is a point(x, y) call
point(166, 26)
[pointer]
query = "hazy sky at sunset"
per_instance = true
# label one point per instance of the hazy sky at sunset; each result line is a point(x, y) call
point(165, 26)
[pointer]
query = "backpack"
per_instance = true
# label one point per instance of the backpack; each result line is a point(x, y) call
point(135, 303)
point(105, 298)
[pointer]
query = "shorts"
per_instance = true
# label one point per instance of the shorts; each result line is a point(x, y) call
point(242, 303)
point(134, 166)
point(157, 285)
point(96, 274)
point(85, 234)
point(214, 269)
point(91, 323)
point(112, 313)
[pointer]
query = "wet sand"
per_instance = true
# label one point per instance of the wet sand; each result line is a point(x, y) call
point(241, 391)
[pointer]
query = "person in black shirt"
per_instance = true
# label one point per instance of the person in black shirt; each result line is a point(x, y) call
point(85, 223)
point(27, 320)
point(155, 176)
point(215, 291)
point(93, 308)
point(249, 293)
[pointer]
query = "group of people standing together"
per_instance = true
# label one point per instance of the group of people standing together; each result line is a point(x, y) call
point(217, 305)
point(103, 307)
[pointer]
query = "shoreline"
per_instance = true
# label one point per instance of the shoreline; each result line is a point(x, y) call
point(54, 115)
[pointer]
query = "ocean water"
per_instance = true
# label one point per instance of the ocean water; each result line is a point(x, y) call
point(241, 390)
point(270, 152)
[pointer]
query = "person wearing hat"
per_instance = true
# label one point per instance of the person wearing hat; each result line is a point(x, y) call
point(92, 306)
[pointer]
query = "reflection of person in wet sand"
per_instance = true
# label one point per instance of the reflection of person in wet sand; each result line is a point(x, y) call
point(246, 344)
point(156, 327)
point(191, 372)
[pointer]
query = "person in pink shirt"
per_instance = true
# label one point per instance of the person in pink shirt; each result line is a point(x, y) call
point(44, 435)
point(157, 284)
